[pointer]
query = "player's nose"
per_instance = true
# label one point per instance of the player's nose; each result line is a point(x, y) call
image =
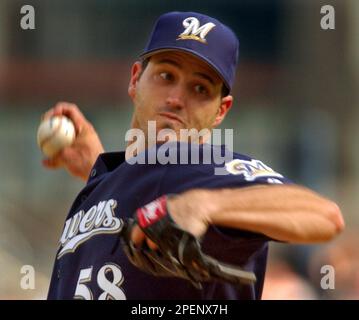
point(176, 97)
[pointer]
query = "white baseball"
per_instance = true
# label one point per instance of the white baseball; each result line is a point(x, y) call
point(54, 134)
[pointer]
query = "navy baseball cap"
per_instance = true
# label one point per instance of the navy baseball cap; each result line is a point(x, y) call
point(200, 35)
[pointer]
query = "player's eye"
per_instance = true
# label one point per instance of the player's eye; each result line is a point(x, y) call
point(200, 89)
point(166, 76)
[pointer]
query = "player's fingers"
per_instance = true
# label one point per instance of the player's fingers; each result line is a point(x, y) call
point(71, 111)
point(53, 163)
point(59, 160)
point(151, 244)
point(47, 114)
point(137, 236)
point(57, 110)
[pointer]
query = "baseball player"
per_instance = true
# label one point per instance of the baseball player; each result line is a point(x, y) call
point(177, 231)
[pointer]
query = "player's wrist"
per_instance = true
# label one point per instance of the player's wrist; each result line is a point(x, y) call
point(190, 210)
point(209, 205)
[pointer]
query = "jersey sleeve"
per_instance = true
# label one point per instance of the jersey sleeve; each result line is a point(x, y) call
point(240, 172)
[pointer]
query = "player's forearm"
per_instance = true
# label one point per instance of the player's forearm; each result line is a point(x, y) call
point(286, 213)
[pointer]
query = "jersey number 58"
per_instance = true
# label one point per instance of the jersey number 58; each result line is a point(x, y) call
point(111, 289)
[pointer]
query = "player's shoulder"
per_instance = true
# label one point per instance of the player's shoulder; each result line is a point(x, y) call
point(252, 169)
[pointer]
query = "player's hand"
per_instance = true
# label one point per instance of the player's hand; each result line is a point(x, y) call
point(79, 158)
point(178, 253)
point(189, 211)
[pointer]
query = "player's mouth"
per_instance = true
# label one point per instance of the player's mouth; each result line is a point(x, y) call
point(171, 116)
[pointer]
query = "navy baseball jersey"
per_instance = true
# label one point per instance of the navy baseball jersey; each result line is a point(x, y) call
point(90, 262)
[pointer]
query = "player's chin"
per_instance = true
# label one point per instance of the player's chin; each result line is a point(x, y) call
point(173, 125)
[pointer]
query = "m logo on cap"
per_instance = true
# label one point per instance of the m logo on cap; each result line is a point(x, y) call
point(193, 31)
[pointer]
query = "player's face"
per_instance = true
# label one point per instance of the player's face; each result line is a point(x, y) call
point(178, 91)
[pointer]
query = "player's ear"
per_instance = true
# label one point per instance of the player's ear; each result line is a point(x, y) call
point(135, 75)
point(226, 104)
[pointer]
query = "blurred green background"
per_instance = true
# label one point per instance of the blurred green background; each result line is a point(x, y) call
point(295, 109)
